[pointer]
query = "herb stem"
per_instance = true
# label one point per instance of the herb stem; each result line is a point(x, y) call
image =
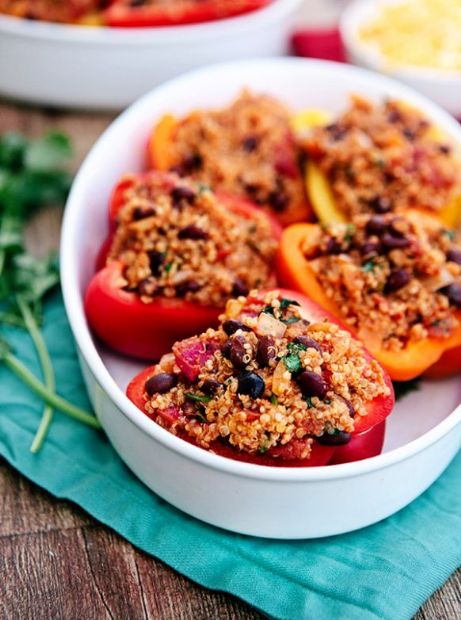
point(50, 397)
point(47, 370)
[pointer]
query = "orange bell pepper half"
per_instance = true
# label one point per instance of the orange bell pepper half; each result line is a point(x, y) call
point(295, 271)
point(161, 156)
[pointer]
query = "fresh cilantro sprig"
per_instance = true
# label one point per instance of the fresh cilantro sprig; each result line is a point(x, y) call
point(33, 174)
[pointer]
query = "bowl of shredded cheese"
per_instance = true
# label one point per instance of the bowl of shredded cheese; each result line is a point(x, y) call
point(416, 41)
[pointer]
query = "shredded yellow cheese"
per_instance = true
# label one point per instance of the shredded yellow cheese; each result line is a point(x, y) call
point(419, 33)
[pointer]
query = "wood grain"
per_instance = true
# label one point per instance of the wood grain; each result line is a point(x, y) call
point(56, 561)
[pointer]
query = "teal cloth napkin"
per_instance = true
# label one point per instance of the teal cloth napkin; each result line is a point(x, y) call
point(385, 571)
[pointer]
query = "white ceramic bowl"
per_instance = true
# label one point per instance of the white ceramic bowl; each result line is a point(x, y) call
point(108, 68)
point(443, 87)
point(423, 434)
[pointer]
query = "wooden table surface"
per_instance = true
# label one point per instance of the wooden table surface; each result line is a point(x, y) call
point(56, 561)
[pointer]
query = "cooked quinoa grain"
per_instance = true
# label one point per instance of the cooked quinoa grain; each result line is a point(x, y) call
point(245, 149)
point(395, 278)
point(266, 381)
point(175, 238)
point(385, 157)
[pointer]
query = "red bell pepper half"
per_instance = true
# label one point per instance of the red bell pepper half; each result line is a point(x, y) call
point(367, 438)
point(122, 13)
point(147, 330)
point(320, 454)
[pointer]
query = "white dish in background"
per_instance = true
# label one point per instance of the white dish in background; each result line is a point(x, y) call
point(443, 87)
point(424, 432)
point(108, 68)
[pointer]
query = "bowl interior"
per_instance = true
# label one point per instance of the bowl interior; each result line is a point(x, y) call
point(300, 84)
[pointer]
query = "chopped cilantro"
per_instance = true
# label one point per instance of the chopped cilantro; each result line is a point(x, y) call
point(350, 230)
point(268, 310)
point(285, 302)
point(201, 398)
point(449, 233)
point(274, 399)
point(290, 320)
point(168, 267)
point(264, 447)
point(292, 362)
point(201, 418)
point(368, 266)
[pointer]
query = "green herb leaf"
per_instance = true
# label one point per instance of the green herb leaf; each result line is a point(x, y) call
point(48, 153)
point(285, 302)
point(290, 320)
point(12, 148)
point(309, 402)
point(197, 397)
point(368, 266)
point(292, 362)
point(274, 399)
point(168, 267)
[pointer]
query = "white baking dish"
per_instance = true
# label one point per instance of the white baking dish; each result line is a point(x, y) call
point(424, 432)
point(108, 68)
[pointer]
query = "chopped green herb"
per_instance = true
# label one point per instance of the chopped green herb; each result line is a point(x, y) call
point(274, 399)
point(268, 310)
point(264, 446)
point(168, 267)
point(285, 302)
point(449, 233)
point(368, 266)
point(290, 320)
point(291, 360)
point(350, 230)
point(309, 402)
point(201, 418)
point(201, 398)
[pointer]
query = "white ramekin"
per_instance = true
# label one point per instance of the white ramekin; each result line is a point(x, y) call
point(424, 433)
point(108, 68)
point(443, 87)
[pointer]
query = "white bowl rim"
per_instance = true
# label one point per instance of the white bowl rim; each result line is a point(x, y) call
point(353, 16)
point(71, 34)
point(81, 332)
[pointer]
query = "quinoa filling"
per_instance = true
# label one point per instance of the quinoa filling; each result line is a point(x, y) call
point(395, 279)
point(246, 149)
point(266, 381)
point(175, 238)
point(51, 10)
point(385, 157)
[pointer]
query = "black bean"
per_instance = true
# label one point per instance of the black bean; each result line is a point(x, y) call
point(409, 134)
point(191, 286)
point(307, 342)
point(226, 349)
point(445, 149)
point(148, 287)
point(380, 204)
point(237, 352)
point(250, 143)
point(156, 260)
point(251, 384)
point(348, 405)
point(394, 242)
point(371, 248)
point(239, 288)
point(192, 232)
point(453, 292)
point(333, 246)
point(230, 327)
point(189, 164)
point(210, 386)
point(265, 351)
point(397, 279)
point(376, 225)
point(312, 384)
point(454, 255)
point(181, 192)
point(338, 438)
point(140, 213)
point(161, 383)
point(278, 200)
